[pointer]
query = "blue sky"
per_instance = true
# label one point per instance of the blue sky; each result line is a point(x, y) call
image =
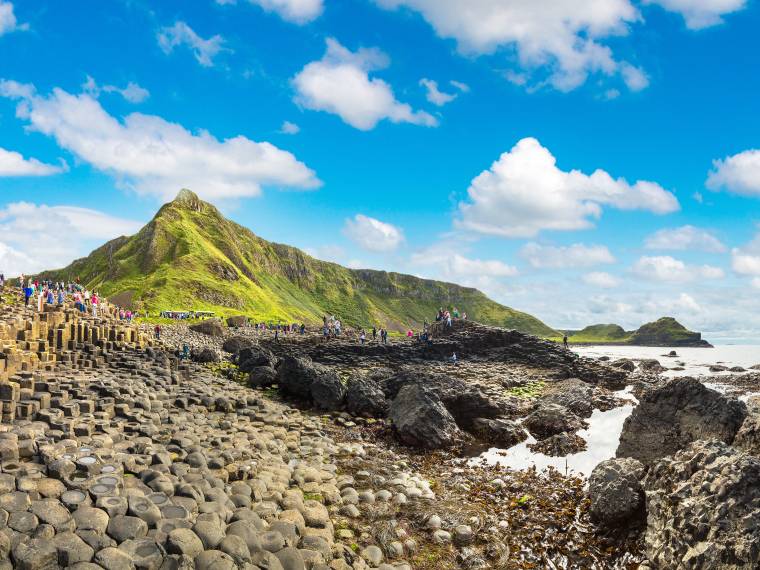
point(585, 163)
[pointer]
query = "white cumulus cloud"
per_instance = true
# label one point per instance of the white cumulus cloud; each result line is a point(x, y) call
point(295, 11)
point(34, 237)
point(8, 21)
point(700, 14)
point(563, 257)
point(746, 260)
point(289, 128)
point(739, 173)
point(435, 95)
point(524, 192)
point(12, 163)
point(372, 234)
point(180, 34)
point(150, 155)
point(685, 238)
point(601, 279)
point(340, 83)
point(132, 93)
point(564, 38)
point(668, 269)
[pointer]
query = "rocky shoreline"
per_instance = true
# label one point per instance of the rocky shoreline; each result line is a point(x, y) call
point(300, 453)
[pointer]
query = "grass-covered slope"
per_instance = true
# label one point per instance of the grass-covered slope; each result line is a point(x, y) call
point(666, 332)
point(191, 257)
point(662, 332)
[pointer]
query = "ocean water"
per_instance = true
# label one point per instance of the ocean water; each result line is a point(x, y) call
point(695, 361)
point(602, 436)
point(603, 433)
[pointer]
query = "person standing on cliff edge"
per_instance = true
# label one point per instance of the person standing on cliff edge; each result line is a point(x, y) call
point(564, 341)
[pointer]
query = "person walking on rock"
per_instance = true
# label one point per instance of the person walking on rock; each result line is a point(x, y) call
point(362, 337)
point(157, 330)
point(564, 341)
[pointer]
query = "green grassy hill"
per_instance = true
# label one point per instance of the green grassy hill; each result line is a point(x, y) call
point(662, 332)
point(191, 257)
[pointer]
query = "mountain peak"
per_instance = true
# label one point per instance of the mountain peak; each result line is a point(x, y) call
point(187, 198)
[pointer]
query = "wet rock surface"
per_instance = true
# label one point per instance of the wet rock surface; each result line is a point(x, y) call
point(670, 417)
point(616, 493)
point(704, 508)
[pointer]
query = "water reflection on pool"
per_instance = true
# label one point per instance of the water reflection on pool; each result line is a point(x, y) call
point(602, 437)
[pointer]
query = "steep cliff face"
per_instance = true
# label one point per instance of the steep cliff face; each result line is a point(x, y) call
point(189, 256)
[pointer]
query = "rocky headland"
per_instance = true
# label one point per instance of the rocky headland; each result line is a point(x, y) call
point(305, 453)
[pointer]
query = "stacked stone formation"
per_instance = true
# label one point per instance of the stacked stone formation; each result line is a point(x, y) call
point(121, 457)
point(59, 337)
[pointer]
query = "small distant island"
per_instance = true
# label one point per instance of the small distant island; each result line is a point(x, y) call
point(663, 332)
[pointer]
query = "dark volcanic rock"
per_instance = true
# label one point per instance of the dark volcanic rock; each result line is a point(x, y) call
point(211, 327)
point(303, 380)
point(365, 398)
point(262, 377)
point(237, 321)
point(676, 414)
point(617, 496)
point(624, 364)
point(464, 402)
point(651, 365)
point(573, 394)
point(235, 344)
point(205, 355)
point(499, 431)
point(704, 509)
point(748, 436)
point(421, 420)
point(559, 445)
point(252, 356)
point(551, 419)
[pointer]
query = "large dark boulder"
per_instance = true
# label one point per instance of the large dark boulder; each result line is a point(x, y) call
point(237, 321)
point(573, 394)
point(551, 419)
point(499, 431)
point(327, 391)
point(670, 417)
point(210, 327)
point(421, 420)
point(301, 379)
point(617, 496)
point(205, 355)
point(464, 402)
point(252, 356)
point(235, 344)
point(703, 509)
point(262, 377)
point(365, 398)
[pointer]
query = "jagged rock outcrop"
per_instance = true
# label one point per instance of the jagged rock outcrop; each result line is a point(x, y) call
point(617, 496)
point(670, 417)
point(262, 377)
point(499, 431)
point(301, 379)
point(235, 344)
point(205, 356)
point(703, 509)
point(421, 420)
point(573, 394)
point(365, 398)
point(210, 327)
point(552, 419)
point(252, 356)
